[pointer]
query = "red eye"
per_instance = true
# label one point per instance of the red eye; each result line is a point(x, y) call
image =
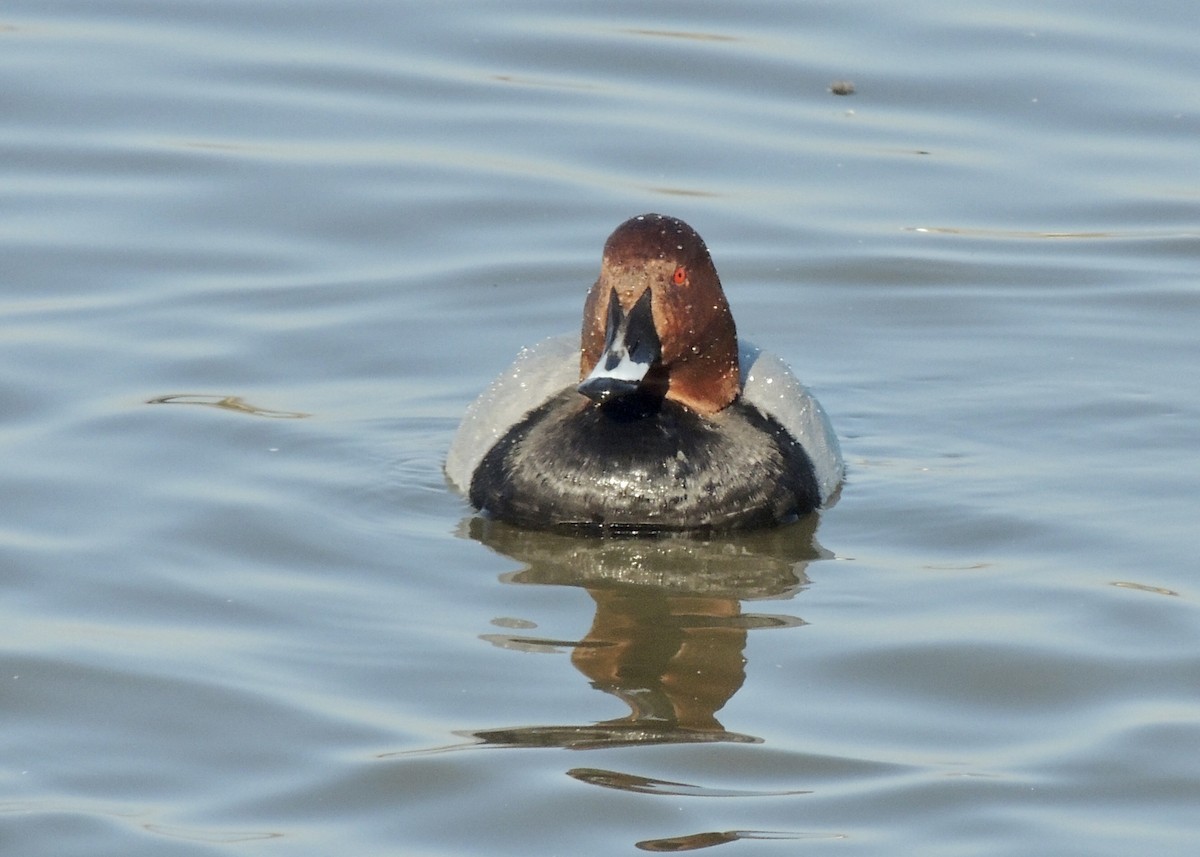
point(680, 276)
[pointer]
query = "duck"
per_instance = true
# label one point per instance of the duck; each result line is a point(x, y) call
point(657, 418)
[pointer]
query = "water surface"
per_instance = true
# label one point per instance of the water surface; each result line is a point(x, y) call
point(258, 258)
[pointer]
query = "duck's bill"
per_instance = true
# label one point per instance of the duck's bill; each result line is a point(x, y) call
point(631, 348)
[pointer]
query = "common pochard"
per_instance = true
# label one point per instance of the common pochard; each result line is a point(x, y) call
point(657, 419)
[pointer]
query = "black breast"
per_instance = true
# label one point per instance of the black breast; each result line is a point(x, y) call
point(644, 464)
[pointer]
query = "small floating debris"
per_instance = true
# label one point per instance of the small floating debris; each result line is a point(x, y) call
point(1143, 587)
point(228, 403)
point(842, 87)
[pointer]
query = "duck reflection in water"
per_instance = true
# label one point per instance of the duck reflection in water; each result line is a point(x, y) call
point(669, 633)
point(668, 638)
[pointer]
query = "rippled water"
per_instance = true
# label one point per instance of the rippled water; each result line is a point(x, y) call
point(256, 260)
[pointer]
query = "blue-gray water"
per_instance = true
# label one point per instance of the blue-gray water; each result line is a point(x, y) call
point(255, 260)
